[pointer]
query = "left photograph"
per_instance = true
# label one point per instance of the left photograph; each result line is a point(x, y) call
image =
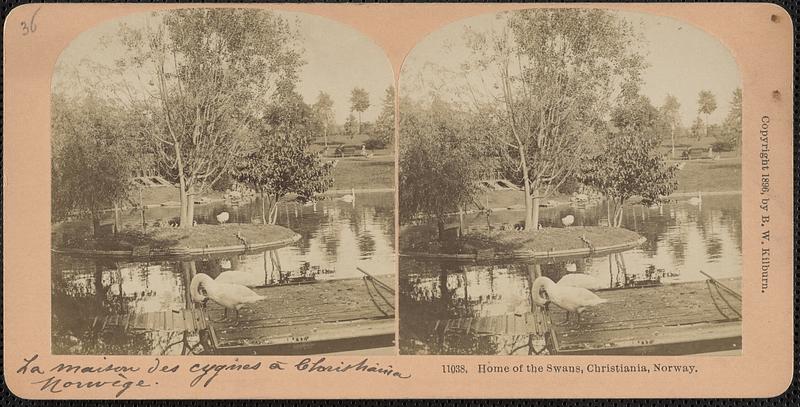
point(222, 183)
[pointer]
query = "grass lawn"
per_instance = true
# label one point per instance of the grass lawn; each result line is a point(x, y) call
point(356, 140)
point(710, 176)
point(363, 173)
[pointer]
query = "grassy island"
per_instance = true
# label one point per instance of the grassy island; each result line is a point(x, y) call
point(199, 239)
point(549, 242)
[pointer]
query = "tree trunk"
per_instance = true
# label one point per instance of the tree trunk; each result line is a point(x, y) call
point(184, 206)
point(263, 208)
point(358, 127)
point(273, 209)
point(528, 200)
point(535, 199)
point(618, 215)
point(189, 208)
point(183, 187)
point(141, 207)
point(440, 228)
point(672, 136)
point(116, 218)
point(95, 223)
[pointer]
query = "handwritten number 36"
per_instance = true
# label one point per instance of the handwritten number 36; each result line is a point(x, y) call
point(29, 27)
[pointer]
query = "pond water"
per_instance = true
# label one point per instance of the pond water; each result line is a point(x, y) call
point(336, 237)
point(682, 240)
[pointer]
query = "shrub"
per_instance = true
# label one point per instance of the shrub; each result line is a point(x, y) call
point(374, 144)
point(723, 146)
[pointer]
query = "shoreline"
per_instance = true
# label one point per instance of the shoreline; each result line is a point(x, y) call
point(218, 200)
point(198, 240)
point(546, 243)
point(559, 202)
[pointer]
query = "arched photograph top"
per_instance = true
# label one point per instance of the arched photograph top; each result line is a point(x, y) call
point(219, 176)
point(560, 169)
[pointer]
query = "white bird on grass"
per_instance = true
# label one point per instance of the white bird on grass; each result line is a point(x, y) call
point(567, 220)
point(230, 296)
point(223, 217)
point(571, 299)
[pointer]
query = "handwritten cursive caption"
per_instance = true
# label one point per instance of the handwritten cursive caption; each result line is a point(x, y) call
point(59, 377)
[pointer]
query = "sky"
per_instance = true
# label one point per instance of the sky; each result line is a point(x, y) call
point(683, 60)
point(338, 58)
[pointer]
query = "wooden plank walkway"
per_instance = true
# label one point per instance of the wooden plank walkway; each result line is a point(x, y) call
point(168, 321)
point(529, 323)
point(671, 319)
point(328, 316)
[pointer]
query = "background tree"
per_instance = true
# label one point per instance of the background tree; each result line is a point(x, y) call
point(629, 163)
point(359, 102)
point(282, 163)
point(350, 126)
point(732, 126)
point(323, 110)
point(385, 122)
point(93, 157)
point(548, 80)
point(706, 104)
point(439, 162)
point(696, 130)
point(209, 74)
point(670, 112)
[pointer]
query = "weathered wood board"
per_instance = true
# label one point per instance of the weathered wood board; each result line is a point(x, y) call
point(339, 313)
point(670, 319)
point(529, 323)
point(168, 321)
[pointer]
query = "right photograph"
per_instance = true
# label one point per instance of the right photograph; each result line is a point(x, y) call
point(570, 183)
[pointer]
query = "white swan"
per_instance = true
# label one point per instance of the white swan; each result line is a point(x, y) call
point(350, 198)
point(581, 280)
point(567, 220)
point(572, 299)
point(239, 277)
point(230, 296)
point(697, 200)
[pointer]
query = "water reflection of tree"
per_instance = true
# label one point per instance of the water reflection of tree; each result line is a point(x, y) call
point(653, 227)
point(73, 313)
point(366, 244)
point(384, 217)
point(731, 216)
